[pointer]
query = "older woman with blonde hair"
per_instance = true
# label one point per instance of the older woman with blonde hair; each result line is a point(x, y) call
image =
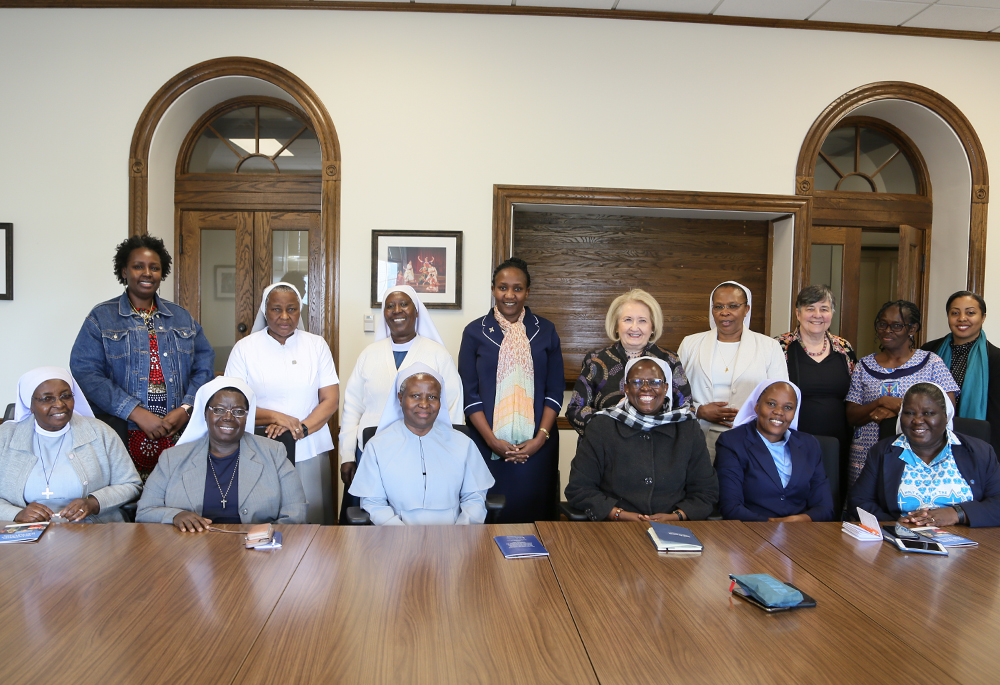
point(634, 322)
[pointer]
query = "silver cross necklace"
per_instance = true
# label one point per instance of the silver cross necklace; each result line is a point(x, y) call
point(231, 479)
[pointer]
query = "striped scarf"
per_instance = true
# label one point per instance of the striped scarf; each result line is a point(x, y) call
point(514, 410)
point(627, 414)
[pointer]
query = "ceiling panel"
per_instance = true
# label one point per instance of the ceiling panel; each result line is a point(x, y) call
point(957, 18)
point(769, 9)
point(589, 4)
point(995, 4)
point(463, 2)
point(868, 11)
point(683, 6)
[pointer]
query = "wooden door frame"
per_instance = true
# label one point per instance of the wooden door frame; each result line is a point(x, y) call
point(326, 134)
point(944, 108)
point(506, 196)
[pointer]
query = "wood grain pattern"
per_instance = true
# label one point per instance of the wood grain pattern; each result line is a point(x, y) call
point(581, 262)
point(667, 618)
point(944, 607)
point(137, 603)
point(471, 8)
point(420, 604)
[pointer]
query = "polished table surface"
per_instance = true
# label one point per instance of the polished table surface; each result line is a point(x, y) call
point(421, 604)
point(137, 603)
point(647, 617)
point(947, 608)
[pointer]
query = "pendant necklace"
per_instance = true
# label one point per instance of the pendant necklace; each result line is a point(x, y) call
point(729, 362)
point(48, 477)
point(231, 479)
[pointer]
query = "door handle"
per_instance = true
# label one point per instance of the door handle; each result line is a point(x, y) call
point(242, 328)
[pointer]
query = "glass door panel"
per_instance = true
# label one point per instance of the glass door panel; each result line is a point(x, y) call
point(290, 263)
point(218, 292)
point(834, 255)
point(828, 269)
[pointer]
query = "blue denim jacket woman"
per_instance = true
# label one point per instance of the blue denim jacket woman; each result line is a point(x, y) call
point(111, 353)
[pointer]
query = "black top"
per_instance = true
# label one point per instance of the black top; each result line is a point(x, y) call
point(824, 385)
point(992, 388)
point(226, 471)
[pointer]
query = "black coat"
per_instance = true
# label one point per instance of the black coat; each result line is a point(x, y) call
point(646, 472)
point(992, 388)
point(877, 488)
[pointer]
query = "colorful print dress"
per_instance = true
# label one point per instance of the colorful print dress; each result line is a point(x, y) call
point(145, 452)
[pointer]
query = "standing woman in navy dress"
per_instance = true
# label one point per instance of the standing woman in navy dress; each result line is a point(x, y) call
point(512, 370)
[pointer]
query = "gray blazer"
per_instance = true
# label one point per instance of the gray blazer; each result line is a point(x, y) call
point(98, 457)
point(270, 489)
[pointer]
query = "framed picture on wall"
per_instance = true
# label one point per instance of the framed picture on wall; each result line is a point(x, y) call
point(225, 282)
point(428, 261)
point(6, 261)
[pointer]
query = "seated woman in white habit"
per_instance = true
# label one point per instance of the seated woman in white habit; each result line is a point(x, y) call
point(417, 469)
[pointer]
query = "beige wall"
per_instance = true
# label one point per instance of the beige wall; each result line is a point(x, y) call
point(431, 110)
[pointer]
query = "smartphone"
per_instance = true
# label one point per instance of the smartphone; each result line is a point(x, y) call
point(897, 531)
point(921, 546)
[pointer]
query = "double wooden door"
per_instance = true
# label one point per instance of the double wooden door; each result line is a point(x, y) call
point(226, 260)
point(868, 276)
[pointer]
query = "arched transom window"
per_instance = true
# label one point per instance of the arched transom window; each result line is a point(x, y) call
point(861, 156)
point(256, 139)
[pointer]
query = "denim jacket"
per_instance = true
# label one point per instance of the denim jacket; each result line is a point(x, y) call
point(110, 358)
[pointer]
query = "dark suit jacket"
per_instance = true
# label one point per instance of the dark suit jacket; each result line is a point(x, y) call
point(992, 389)
point(877, 488)
point(749, 484)
point(646, 472)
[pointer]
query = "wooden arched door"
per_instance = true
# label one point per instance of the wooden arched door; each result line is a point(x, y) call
point(248, 197)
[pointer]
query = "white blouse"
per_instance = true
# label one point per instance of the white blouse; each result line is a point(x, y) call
point(287, 378)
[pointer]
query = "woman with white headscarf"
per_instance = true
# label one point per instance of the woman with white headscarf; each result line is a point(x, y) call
point(726, 362)
point(417, 469)
point(55, 458)
point(298, 391)
point(404, 336)
point(768, 470)
point(643, 460)
point(929, 475)
point(219, 473)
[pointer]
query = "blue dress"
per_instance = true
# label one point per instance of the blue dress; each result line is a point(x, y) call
point(531, 488)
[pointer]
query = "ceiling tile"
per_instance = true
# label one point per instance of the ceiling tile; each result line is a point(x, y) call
point(589, 4)
point(683, 6)
point(769, 9)
point(957, 18)
point(868, 11)
point(995, 4)
point(452, 2)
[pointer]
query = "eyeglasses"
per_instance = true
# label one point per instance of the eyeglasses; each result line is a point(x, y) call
point(237, 412)
point(637, 383)
point(894, 327)
point(48, 400)
point(730, 307)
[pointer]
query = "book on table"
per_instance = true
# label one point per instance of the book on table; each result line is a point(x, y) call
point(520, 546)
point(669, 538)
point(944, 537)
point(22, 532)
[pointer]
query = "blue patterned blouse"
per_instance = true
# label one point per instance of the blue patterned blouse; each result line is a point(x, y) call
point(929, 486)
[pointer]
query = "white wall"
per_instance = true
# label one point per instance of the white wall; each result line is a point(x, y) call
point(431, 110)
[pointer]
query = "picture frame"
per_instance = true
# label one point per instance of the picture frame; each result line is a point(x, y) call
point(6, 261)
point(225, 282)
point(428, 261)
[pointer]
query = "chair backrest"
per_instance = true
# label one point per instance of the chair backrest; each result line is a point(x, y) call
point(887, 428)
point(977, 428)
point(367, 433)
point(831, 464)
point(8, 413)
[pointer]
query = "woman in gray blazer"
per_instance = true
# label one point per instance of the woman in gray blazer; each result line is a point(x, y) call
point(55, 458)
point(219, 473)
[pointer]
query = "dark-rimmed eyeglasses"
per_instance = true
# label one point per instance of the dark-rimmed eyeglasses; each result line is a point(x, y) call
point(48, 400)
point(730, 307)
point(895, 327)
point(637, 383)
point(237, 412)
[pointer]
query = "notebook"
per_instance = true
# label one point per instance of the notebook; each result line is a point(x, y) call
point(669, 538)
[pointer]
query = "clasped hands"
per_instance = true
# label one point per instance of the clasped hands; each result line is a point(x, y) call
point(283, 423)
point(717, 412)
point(887, 408)
point(156, 427)
point(632, 516)
point(943, 516)
point(516, 453)
point(77, 510)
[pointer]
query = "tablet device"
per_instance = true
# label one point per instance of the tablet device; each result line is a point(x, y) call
point(906, 540)
point(806, 602)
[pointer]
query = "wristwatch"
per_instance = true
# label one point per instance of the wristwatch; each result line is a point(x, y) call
point(305, 429)
point(188, 408)
point(680, 514)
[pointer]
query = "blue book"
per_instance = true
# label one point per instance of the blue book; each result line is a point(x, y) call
point(22, 532)
point(520, 546)
point(669, 538)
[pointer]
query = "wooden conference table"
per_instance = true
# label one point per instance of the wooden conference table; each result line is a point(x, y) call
point(136, 603)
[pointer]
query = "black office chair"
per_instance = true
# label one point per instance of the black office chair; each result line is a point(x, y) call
point(831, 464)
point(8, 413)
point(975, 428)
point(356, 516)
point(286, 439)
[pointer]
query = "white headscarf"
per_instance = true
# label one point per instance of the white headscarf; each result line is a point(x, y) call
point(746, 319)
point(748, 412)
point(393, 410)
point(425, 326)
point(197, 427)
point(260, 323)
point(29, 382)
point(668, 374)
point(949, 408)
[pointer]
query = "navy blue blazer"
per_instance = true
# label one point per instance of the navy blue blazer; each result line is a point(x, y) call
point(750, 487)
point(479, 357)
point(877, 488)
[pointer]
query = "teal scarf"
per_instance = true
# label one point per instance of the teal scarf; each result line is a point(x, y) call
point(977, 378)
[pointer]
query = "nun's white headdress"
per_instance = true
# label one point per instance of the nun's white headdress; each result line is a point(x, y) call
point(196, 427)
point(260, 323)
point(748, 412)
point(425, 326)
point(746, 319)
point(393, 411)
point(27, 384)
